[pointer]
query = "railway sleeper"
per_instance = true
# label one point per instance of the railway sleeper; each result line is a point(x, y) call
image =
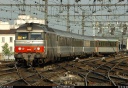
point(125, 65)
point(118, 68)
point(123, 74)
point(8, 69)
point(104, 68)
point(123, 84)
point(17, 82)
point(100, 74)
point(100, 79)
point(119, 78)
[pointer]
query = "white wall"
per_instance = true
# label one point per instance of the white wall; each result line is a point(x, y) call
point(4, 25)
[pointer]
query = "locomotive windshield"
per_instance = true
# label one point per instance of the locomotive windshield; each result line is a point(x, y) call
point(36, 36)
point(22, 36)
point(29, 36)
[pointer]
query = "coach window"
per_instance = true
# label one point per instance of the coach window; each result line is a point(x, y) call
point(115, 43)
point(110, 44)
point(57, 38)
point(22, 36)
point(106, 43)
point(91, 43)
point(36, 36)
point(101, 43)
point(86, 43)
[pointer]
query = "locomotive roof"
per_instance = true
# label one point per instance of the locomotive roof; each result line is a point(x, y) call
point(35, 26)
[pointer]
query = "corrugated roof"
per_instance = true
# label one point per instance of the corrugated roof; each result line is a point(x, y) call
point(11, 31)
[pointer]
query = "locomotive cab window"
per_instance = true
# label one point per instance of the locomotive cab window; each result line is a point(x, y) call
point(36, 36)
point(22, 36)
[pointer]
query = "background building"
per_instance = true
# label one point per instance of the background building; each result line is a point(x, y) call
point(7, 36)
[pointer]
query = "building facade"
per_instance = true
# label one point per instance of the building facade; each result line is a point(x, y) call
point(7, 36)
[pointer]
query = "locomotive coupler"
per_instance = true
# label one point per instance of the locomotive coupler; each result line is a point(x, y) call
point(40, 61)
point(29, 63)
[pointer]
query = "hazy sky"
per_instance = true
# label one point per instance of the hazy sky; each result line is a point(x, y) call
point(10, 13)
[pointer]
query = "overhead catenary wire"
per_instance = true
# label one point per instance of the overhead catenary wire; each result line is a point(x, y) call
point(35, 4)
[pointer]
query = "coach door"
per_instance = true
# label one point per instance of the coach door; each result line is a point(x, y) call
point(96, 46)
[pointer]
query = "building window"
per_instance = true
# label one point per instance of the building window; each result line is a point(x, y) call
point(3, 39)
point(11, 39)
point(11, 48)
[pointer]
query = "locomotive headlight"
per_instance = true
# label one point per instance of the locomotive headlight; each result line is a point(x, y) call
point(19, 48)
point(38, 48)
point(29, 28)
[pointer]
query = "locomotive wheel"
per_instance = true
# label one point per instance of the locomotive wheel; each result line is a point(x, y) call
point(68, 58)
point(21, 63)
point(24, 64)
point(55, 59)
point(52, 58)
point(18, 64)
point(41, 63)
point(58, 59)
point(34, 63)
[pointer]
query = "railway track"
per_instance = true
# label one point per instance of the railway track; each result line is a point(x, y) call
point(114, 73)
point(98, 77)
point(24, 79)
point(29, 77)
point(83, 72)
point(102, 72)
point(78, 69)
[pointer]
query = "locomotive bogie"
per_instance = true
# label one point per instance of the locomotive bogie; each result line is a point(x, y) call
point(28, 56)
